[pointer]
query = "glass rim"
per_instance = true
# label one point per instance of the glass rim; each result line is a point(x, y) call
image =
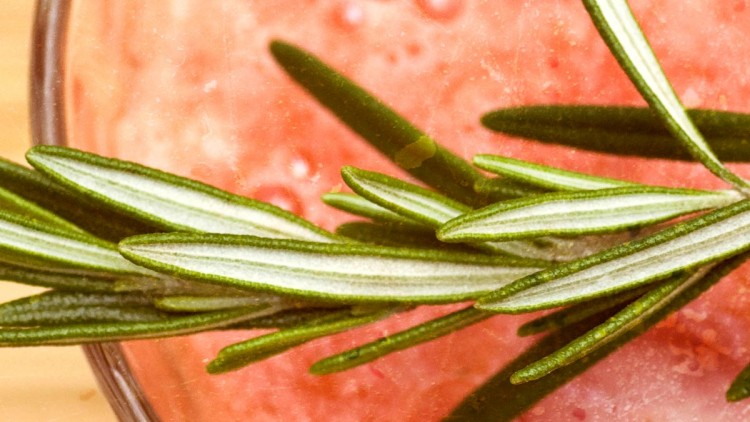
point(47, 115)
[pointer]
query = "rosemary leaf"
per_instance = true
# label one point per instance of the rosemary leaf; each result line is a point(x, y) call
point(288, 318)
point(357, 205)
point(16, 204)
point(166, 200)
point(379, 125)
point(212, 303)
point(684, 246)
point(740, 388)
point(116, 331)
point(350, 272)
point(545, 177)
point(573, 314)
point(41, 190)
point(619, 29)
point(411, 337)
point(59, 281)
point(43, 247)
point(635, 131)
point(241, 354)
point(579, 213)
point(55, 308)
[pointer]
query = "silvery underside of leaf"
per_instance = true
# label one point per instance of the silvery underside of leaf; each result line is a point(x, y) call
point(168, 200)
point(578, 213)
point(327, 271)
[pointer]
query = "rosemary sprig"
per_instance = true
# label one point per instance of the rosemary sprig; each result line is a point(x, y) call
point(248, 264)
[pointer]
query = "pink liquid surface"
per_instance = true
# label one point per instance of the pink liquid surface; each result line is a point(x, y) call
point(189, 87)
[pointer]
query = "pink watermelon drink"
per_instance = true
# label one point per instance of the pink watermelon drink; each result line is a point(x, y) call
point(190, 87)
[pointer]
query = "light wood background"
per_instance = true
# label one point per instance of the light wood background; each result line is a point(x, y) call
point(36, 384)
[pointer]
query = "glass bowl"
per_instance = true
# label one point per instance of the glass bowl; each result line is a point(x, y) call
point(190, 87)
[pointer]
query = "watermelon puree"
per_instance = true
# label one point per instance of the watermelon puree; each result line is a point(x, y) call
point(189, 87)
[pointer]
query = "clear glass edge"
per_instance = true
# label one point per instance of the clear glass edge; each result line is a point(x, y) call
point(47, 111)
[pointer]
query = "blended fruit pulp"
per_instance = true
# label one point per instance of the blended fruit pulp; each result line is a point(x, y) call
point(189, 87)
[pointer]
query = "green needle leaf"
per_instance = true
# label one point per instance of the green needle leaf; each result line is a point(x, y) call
point(27, 243)
point(357, 205)
point(740, 388)
point(379, 125)
point(59, 281)
point(573, 314)
point(13, 203)
point(411, 337)
point(579, 213)
point(167, 200)
point(55, 308)
point(619, 29)
point(288, 318)
point(544, 176)
point(635, 131)
point(691, 244)
point(41, 190)
point(212, 303)
point(117, 331)
point(241, 354)
point(351, 272)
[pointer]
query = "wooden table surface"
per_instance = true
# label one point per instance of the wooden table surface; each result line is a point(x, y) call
point(36, 384)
